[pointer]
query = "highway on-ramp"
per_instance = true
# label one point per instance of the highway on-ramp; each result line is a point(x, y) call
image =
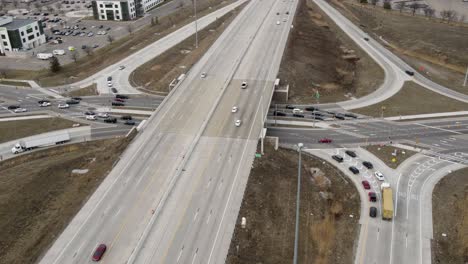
point(176, 192)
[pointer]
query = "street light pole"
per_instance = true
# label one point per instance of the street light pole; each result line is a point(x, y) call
point(196, 23)
point(296, 235)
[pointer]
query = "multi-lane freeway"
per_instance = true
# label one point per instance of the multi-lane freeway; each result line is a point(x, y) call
point(175, 194)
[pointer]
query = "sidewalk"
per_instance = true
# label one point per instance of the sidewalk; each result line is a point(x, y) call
point(409, 117)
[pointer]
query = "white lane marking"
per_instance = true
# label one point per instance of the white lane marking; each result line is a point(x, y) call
point(118, 212)
point(196, 214)
point(180, 254)
point(194, 256)
point(438, 128)
point(209, 216)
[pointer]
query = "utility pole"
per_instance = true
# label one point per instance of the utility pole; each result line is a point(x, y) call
point(196, 23)
point(298, 199)
point(466, 76)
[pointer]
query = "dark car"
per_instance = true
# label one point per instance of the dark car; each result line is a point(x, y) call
point(298, 115)
point(99, 252)
point(126, 117)
point(290, 107)
point(373, 212)
point(366, 39)
point(287, 12)
point(121, 96)
point(72, 102)
point(13, 107)
point(89, 113)
point(372, 197)
point(325, 140)
point(83, 47)
point(278, 113)
point(311, 108)
point(118, 103)
point(368, 165)
point(351, 153)
point(119, 100)
point(410, 73)
point(114, 90)
point(350, 115)
point(354, 170)
point(318, 117)
point(340, 116)
point(43, 101)
point(110, 120)
point(337, 158)
point(109, 78)
point(77, 98)
point(130, 122)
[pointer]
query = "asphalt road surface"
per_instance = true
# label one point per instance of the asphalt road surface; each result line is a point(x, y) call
point(175, 195)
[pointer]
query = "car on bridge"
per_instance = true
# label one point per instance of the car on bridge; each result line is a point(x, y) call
point(244, 85)
point(325, 140)
point(234, 109)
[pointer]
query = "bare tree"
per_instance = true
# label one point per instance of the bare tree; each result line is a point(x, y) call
point(74, 56)
point(449, 15)
point(36, 5)
point(462, 19)
point(429, 12)
point(414, 7)
point(15, 3)
point(88, 50)
point(373, 2)
point(58, 5)
point(110, 38)
point(400, 6)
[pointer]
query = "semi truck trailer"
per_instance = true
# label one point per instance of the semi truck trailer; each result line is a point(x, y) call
point(32, 143)
point(387, 201)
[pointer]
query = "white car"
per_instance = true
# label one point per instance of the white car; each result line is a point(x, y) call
point(234, 109)
point(238, 123)
point(244, 85)
point(90, 117)
point(20, 110)
point(103, 115)
point(203, 75)
point(277, 22)
point(44, 104)
point(109, 83)
point(63, 106)
point(379, 176)
point(297, 111)
point(121, 67)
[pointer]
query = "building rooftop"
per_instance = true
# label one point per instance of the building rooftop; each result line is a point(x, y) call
point(17, 23)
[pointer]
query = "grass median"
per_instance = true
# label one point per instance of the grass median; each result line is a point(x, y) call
point(10, 130)
point(413, 99)
point(385, 154)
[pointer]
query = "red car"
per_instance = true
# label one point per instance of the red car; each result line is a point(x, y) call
point(99, 252)
point(372, 197)
point(119, 100)
point(325, 140)
point(366, 185)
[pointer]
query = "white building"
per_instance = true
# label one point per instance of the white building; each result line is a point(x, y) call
point(122, 10)
point(16, 34)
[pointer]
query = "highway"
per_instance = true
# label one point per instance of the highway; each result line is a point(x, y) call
point(175, 194)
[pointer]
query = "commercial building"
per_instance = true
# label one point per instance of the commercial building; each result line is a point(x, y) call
point(19, 34)
point(122, 10)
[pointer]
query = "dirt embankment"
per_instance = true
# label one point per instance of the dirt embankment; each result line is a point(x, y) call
point(156, 75)
point(327, 233)
point(320, 56)
point(40, 194)
point(450, 217)
point(437, 50)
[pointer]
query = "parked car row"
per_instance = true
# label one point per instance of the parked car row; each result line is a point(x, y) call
point(313, 112)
